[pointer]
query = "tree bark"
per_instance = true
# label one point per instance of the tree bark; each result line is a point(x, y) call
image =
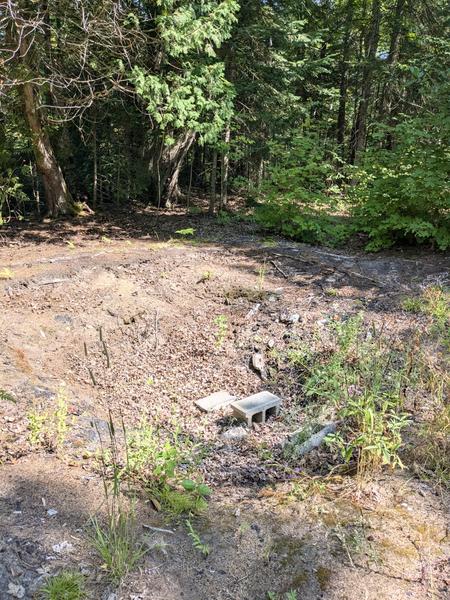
point(224, 169)
point(212, 189)
point(359, 133)
point(168, 167)
point(343, 78)
point(173, 191)
point(57, 196)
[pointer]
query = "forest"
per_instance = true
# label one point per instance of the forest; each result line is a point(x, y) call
point(331, 118)
point(224, 299)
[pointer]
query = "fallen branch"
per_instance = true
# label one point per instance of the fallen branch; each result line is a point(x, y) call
point(279, 269)
point(320, 263)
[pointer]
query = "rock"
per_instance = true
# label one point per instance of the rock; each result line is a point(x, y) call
point(322, 321)
point(64, 319)
point(234, 434)
point(16, 590)
point(52, 512)
point(259, 364)
point(62, 548)
point(271, 343)
point(289, 318)
point(252, 312)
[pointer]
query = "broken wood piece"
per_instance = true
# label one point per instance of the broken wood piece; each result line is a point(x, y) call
point(257, 407)
point(215, 401)
point(279, 269)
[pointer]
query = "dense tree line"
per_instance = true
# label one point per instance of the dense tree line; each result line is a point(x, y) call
point(318, 110)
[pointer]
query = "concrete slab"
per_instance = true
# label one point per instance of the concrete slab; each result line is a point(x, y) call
point(257, 407)
point(215, 401)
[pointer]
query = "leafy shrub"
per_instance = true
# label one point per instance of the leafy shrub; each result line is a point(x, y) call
point(359, 380)
point(301, 196)
point(403, 194)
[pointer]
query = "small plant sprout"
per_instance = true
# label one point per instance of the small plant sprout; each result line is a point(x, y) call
point(106, 240)
point(67, 585)
point(70, 245)
point(189, 231)
point(116, 539)
point(262, 276)
point(4, 395)
point(221, 323)
point(196, 541)
point(6, 273)
point(205, 276)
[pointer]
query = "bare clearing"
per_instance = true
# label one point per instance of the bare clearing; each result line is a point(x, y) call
point(127, 319)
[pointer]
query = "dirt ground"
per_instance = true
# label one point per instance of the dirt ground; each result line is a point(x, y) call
point(149, 296)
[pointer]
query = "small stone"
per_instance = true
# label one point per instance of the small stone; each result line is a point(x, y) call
point(322, 321)
point(259, 364)
point(62, 547)
point(271, 343)
point(52, 512)
point(235, 434)
point(289, 318)
point(16, 590)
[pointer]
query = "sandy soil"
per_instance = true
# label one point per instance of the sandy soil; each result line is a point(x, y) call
point(122, 311)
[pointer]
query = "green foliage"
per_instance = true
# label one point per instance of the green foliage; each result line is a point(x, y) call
point(435, 302)
point(186, 232)
point(221, 323)
point(361, 380)
point(196, 541)
point(159, 463)
point(4, 395)
point(49, 428)
point(301, 194)
point(432, 451)
point(115, 539)
point(117, 542)
point(403, 194)
point(67, 585)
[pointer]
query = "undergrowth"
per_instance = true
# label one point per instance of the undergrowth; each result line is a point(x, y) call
point(49, 428)
point(358, 380)
point(67, 585)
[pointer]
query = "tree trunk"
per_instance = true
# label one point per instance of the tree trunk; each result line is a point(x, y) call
point(359, 133)
point(343, 79)
point(57, 196)
point(168, 168)
point(212, 189)
point(387, 97)
point(224, 168)
point(173, 191)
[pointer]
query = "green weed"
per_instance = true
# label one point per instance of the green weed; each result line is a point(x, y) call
point(359, 381)
point(432, 453)
point(50, 428)
point(67, 585)
point(189, 231)
point(196, 541)
point(4, 395)
point(221, 323)
point(116, 540)
point(6, 273)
